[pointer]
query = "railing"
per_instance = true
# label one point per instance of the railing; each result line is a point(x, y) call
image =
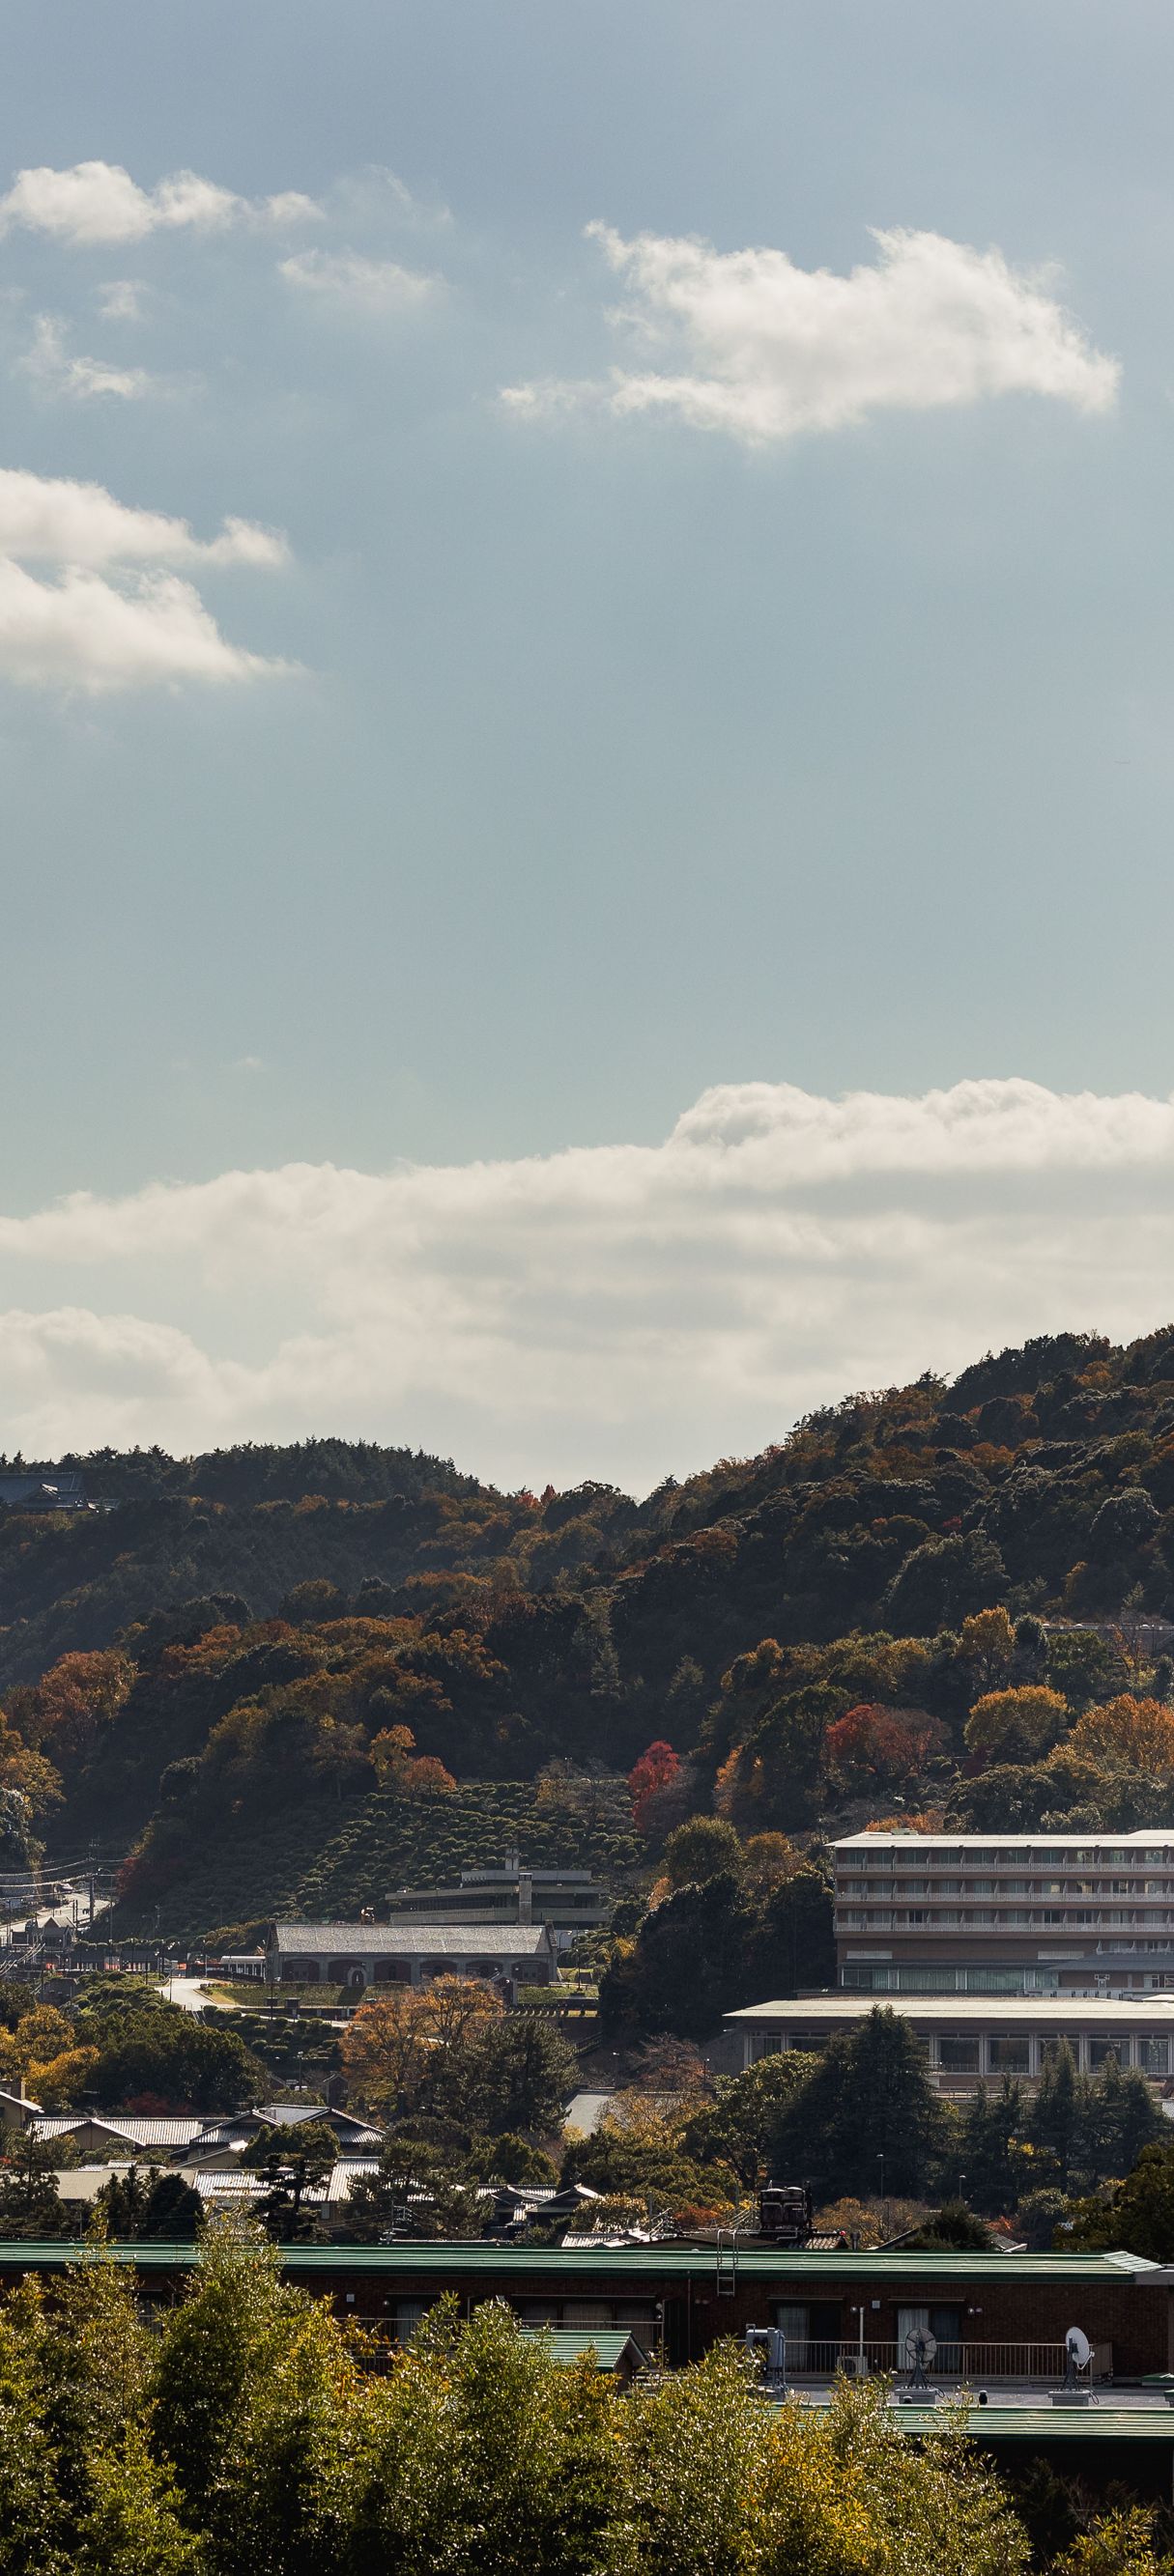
point(974, 2363)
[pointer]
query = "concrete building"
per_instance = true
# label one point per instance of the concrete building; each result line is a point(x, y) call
point(408, 1952)
point(973, 2039)
point(568, 1899)
point(1011, 1914)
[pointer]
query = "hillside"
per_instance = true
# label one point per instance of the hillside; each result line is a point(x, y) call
point(264, 1661)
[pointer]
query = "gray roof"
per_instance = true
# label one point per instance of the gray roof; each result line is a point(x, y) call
point(408, 1938)
point(177, 2132)
point(1147, 2013)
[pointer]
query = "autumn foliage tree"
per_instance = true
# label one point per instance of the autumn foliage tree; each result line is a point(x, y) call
point(656, 1769)
point(870, 1745)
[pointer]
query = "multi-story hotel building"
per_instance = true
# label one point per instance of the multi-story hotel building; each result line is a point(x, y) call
point(1010, 1914)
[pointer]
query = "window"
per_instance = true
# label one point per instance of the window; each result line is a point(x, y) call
point(1016, 1914)
point(918, 1914)
point(981, 1887)
point(1009, 2056)
point(1100, 2049)
point(958, 2056)
point(852, 1922)
point(981, 1914)
point(1153, 2056)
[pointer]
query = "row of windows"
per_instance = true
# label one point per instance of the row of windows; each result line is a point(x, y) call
point(970, 1887)
point(996, 1856)
point(1022, 2052)
point(1045, 1917)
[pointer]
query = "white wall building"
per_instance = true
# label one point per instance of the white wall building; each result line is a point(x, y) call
point(1005, 1913)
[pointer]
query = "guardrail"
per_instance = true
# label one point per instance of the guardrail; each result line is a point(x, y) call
point(969, 2362)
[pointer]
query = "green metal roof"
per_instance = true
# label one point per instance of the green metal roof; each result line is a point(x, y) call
point(569, 2344)
point(672, 2262)
point(1050, 2423)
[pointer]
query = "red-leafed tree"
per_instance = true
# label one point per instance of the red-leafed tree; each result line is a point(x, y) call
point(654, 1771)
point(871, 1743)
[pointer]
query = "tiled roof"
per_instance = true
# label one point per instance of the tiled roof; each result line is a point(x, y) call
point(408, 1937)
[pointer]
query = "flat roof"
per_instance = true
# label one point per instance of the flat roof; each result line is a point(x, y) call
point(428, 1933)
point(544, 2263)
point(1137, 1840)
point(1101, 2012)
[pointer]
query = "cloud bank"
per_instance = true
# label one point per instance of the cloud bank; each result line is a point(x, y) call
point(97, 203)
point(749, 344)
point(620, 1311)
point(116, 616)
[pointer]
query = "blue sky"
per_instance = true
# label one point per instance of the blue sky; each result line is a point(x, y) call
point(597, 750)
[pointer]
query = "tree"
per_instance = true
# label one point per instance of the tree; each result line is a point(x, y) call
point(704, 1848)
point(30, 2205)
point(656, 1770)
point(291, 2162)
point(1016, 1725)
point(414, 2191)
point(991, 2129)
point(1058, 2114)
point(384, 2049)
point(871, 1744)
point(868, 2096)
point(738, 2127)
point(1138, 2214)
point(518, 2074)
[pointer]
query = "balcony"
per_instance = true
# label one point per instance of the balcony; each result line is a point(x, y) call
point(973, 2365)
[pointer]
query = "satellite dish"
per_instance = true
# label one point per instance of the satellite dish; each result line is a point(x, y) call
point(1078, 2347)
point(920, 2347)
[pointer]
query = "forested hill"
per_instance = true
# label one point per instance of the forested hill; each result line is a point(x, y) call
point(269, 1642)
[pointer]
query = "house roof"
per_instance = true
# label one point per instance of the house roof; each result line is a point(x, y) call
point(609, 2345)
point(21, 2101)
point(147, 2132)
point(408, 1936)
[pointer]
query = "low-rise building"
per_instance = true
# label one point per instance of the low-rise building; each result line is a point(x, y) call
point(972, 2039)
point(409, 1952)
point(1014, 1914)
point(568, 1899)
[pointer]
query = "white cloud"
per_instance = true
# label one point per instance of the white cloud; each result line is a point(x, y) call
point(97, 202)
point(121, 299)
point(52, 366)
point(752, 345)
point(622, 1310)
point(117, 615)
point(353, 284)
point(49, 520)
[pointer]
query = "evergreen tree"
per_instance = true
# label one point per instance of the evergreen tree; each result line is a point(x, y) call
point(990, 2129)
point(868, 2098)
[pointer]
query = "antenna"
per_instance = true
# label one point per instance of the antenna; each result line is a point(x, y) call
point(1077, 2356)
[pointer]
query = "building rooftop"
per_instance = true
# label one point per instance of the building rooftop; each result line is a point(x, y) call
point(546, 2263)
point(404, 1937)
point(1038, 2012)
point(1137, 1841)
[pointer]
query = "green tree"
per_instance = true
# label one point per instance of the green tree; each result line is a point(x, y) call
point(737, 2128)
point(1057, 2118)
point(30, 2204)
point(706, 1847)
point(1120, 2118)
point(1140, 2214)
point(416, 2190)
point(517, 2074)
point(869, 2096)
point(992, 2126)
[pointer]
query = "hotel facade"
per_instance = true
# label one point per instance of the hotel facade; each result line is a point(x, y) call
point(1009, 1914)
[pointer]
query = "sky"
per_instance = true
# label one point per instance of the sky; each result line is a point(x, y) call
point(585, 669)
